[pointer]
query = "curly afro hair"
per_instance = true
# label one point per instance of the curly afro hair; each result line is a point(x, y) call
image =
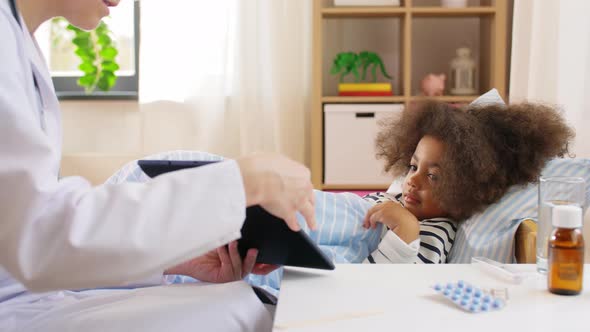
point(488, 148)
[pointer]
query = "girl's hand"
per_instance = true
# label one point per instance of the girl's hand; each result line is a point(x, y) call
point(396, 217)
point(387, 213)
point(223, 264)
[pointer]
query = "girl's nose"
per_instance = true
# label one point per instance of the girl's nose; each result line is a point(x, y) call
point(413, 180)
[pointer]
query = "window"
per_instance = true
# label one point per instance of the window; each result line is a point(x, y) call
point(56, 44)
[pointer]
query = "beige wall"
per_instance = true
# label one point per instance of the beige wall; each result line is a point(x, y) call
point(100, 136)
point(125, 127)
point(103, 127)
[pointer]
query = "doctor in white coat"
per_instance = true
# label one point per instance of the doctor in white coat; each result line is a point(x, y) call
point(58, 234)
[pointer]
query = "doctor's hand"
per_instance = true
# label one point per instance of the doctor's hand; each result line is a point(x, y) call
point(223, 264)
point(280, 185)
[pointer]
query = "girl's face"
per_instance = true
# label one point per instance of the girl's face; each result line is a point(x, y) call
point(423, 174)
point(85, 14)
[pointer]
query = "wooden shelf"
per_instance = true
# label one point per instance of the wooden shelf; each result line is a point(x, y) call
point(375, 11)
point(352, 100)
point(451, 12)
point(411, 26)
point(355, 187)
point(395, 99)
point(448, 99)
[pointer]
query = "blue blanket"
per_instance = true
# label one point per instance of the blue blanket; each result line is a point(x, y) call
point(339, 215)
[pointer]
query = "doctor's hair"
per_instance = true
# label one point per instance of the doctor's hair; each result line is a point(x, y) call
point(488, 148)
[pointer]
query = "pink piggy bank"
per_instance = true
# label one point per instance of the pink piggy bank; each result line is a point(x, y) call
point(433, 85)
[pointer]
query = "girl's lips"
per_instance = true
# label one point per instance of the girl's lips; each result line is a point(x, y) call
point(411, 199)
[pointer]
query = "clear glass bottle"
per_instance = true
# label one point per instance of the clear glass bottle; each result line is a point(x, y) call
point(566, 251)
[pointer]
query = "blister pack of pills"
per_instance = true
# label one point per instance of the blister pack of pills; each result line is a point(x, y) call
point(471, 298)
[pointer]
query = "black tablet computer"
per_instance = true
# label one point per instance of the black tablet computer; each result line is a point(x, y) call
point(276, 242)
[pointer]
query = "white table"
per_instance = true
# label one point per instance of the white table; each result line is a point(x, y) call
point(384, 297)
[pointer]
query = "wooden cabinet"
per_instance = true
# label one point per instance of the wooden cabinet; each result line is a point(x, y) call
point(414, 39)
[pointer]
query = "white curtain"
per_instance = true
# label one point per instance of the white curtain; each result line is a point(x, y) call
point(551, 60)
point(240, 67)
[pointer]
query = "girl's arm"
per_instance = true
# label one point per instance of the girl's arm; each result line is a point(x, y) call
point(408, 241)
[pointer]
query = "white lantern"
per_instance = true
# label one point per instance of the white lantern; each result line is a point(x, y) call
point(463, 73)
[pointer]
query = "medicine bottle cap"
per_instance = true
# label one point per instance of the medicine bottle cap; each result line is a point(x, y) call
point(567, 216)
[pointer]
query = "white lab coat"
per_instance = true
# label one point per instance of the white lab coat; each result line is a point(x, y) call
point(65, 234)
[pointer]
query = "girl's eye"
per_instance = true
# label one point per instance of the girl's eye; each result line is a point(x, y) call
point(433, 177)
point(412, 168)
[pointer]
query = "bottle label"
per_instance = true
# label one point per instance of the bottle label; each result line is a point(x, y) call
point(568, 271)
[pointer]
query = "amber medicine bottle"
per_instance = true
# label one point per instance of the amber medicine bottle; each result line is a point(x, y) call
point(566, 251)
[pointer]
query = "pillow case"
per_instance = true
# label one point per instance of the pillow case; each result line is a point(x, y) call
point(491, 232)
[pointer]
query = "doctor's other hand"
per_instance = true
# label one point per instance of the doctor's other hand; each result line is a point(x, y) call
point(223, 264)
point(280, 185)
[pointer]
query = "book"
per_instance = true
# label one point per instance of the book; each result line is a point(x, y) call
point(348, 87)
point(365, 93)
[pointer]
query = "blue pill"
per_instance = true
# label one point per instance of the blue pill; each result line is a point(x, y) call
point(449, 286)
point(457, 291)
point(446, 292)
point(497, 304)
point(466, 296)
point(455, 297)
point(485, 307)
point(473, 308)
point(460, 283)
point(463, 302)
point(478, 293)
point(468, 289)
point(437, 287)
point(475, 301)
point(487, 299)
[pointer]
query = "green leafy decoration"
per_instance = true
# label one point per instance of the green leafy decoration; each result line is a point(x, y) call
point(98, 53)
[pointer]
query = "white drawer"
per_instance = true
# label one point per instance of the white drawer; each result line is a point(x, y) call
point(349, 143)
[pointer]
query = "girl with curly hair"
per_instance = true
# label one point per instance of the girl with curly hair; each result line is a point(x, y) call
point(455, 163)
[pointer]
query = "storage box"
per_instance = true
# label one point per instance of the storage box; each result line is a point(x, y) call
point(366, 2)
point(349, 144)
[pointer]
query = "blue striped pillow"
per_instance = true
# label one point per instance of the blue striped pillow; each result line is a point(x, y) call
point(491, 233)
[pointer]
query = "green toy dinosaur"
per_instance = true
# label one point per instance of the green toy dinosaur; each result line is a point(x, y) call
point(372, 59)
point(344, 64)
point(350, 62)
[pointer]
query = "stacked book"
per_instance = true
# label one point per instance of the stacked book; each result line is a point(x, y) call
point(364, 89)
